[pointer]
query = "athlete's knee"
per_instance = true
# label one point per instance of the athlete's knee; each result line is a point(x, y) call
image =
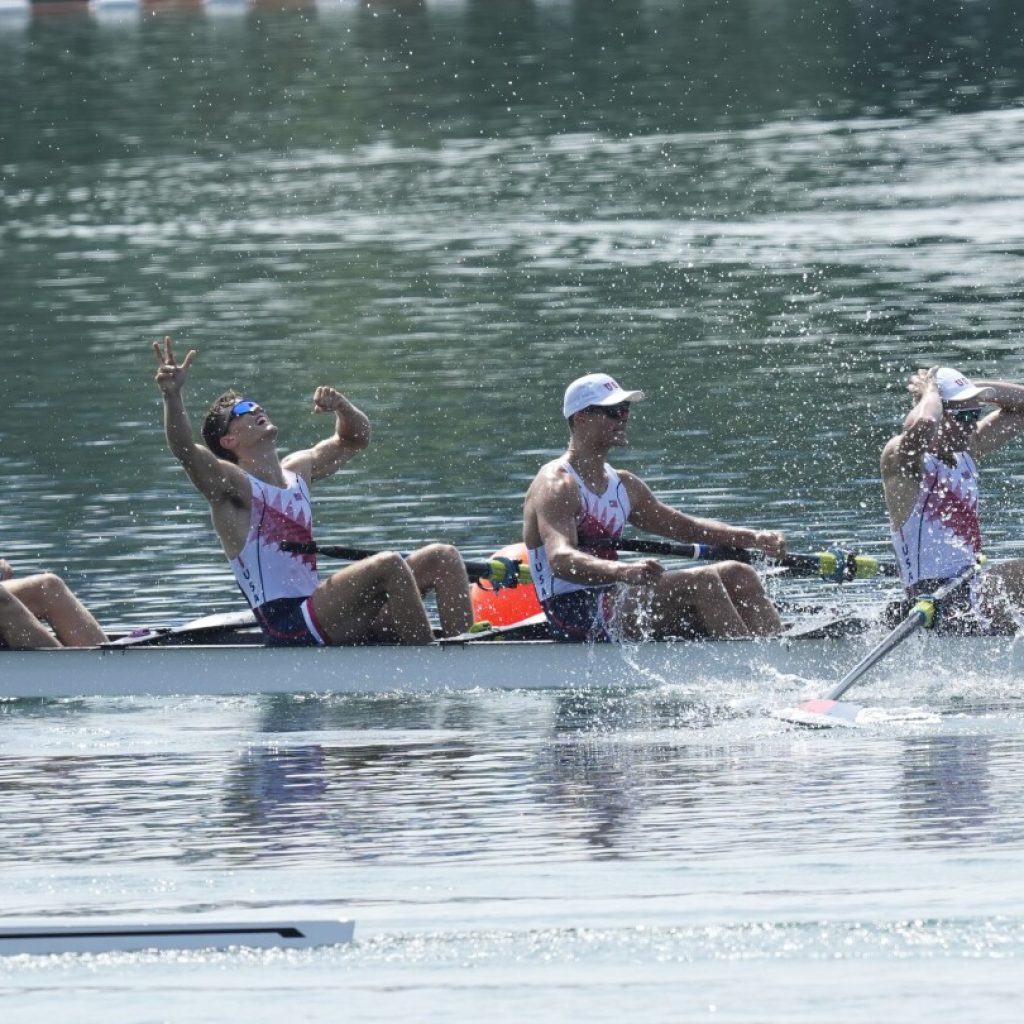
point(50, 586)
point(448, 553)
point(389, 563)
point(441, 558)
point(710, 581)
point(737, 576)
point(690, 588)
point(434, 556)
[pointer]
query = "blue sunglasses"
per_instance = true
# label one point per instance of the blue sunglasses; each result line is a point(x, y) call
point(967, 416)
point(241, 408)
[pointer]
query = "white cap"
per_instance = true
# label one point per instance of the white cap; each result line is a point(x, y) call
point(595, 389)
point(954, 386)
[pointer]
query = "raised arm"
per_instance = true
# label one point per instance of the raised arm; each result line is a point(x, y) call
point(654, 516)
point(351, 436)
point(1003, 425)
point(903, 457)
point(214, 478)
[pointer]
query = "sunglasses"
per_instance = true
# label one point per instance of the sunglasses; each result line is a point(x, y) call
point(966, 416)
point(613, 412)
point(241, 408)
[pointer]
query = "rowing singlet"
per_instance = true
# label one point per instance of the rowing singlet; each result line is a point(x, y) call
point(599, 522)
point(941, 536)
point(263, 571)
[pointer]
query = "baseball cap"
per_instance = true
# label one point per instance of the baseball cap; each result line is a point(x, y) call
point(954, 386)
point(595, 389)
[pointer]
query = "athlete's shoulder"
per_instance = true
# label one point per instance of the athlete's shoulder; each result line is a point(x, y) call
point(904, 455)
point(635, 485)
point(554, 483)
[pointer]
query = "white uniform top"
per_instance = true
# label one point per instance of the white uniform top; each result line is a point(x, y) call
point(599, 523)
point(263, 571)
point(942, 535)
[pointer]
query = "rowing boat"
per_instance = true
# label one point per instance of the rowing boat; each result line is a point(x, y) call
point(233, 667)
point(124, 936)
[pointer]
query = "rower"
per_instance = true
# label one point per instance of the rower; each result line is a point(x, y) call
point(574, 513)
point(258, 500)
point(930, 478)
point(30, 603)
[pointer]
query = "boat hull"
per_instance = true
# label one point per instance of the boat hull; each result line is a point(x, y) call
point(226, 669)
point(112, 936)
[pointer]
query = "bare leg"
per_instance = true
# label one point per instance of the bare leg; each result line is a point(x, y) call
point(439, 567)
point(19, 628)
point(49, 598)
point(348, 604)
point(682, 602)
point(749, 599)
point(721, 600)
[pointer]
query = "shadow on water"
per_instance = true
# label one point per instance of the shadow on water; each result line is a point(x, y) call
point(953, 792)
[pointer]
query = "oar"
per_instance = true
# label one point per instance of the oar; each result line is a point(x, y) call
point(829, 710)
point(197, 629)
point(502, 572)
point(836, 565)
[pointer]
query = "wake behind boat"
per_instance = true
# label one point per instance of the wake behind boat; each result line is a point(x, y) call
point(236, 662)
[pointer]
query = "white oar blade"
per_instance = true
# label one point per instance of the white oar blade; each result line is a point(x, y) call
point(825, 714)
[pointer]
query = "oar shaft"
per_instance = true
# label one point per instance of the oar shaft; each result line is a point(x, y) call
point(834, 565)
point(494, 569)
point(328, 550)
point(894, 639)
point(922, 614)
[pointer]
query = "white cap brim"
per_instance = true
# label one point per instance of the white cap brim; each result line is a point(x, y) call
point(617, 397)
point(963, 395)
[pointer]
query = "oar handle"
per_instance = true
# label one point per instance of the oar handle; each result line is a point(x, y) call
point(506, 572)
point(502, 572)
point(836, 565)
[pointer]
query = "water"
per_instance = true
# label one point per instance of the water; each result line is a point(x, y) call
point(528, 853)
point(765, 215)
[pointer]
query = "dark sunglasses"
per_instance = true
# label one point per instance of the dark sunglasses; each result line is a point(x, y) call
point(241, 408)
point(966, 416)
point(613, 412)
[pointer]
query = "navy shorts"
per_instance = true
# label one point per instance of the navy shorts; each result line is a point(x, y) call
point(290, 622)
point(582, 615)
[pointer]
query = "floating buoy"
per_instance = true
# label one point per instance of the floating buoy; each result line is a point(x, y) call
point(510, 604)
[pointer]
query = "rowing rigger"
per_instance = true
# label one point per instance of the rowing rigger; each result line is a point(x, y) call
point(128, 936)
